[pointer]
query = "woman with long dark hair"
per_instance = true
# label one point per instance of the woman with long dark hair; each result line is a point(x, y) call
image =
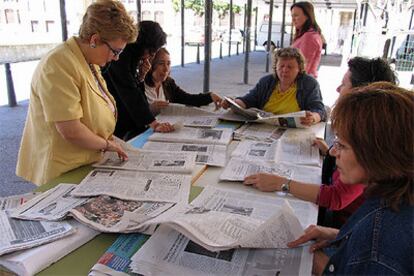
point(308, 37)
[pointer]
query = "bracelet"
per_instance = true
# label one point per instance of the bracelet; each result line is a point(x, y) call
point(286, 186)
point(105, 149)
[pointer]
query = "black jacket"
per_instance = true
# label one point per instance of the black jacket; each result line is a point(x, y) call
point(175, 94)
point(134, 114)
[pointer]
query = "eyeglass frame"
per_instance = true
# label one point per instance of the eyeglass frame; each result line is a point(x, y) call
point(114, 52)
point(338, 146)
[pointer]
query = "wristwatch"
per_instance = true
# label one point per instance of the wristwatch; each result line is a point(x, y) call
point(286, 186)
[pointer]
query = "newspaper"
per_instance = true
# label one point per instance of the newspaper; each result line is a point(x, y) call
point(53, 204)
point(21, 234)
point(31, 261)
point(220, 136)
point(256, 150)
point(132, 185)
point(237, 169)
point(231, 226)
point(168, 252)
point(258, 132)
point(150, 161)
point(212, 155)
point(108, 214)
point(188, 115)
point(14, 201)
point(291, 120)
point(115, 261)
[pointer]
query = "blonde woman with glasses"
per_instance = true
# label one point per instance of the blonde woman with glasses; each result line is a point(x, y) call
point(72, 116)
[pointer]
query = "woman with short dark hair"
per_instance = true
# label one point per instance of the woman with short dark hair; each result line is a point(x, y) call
point(375, 146)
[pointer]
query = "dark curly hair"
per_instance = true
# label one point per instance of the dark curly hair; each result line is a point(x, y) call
point(151, 37)
point(365, 71)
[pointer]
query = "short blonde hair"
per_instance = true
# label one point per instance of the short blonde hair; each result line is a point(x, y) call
point(109, 20)
point(288, 53)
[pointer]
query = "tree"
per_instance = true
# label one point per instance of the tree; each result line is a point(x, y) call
point(197, 6)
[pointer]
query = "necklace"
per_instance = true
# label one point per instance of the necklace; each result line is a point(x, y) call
point(109, 102)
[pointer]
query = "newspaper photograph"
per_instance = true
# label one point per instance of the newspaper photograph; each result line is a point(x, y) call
point(133, 185)
point(237, 169)
point(258, 132)
point(255, 150)
point(150, 161)
point(169, 252)
point(212, 155)
point(220, 136)
point(108, 214)
point(53, 204)
point(22, 234)
point(31, 261)
point(14, 201)
point(115, 261)
point(188, 115)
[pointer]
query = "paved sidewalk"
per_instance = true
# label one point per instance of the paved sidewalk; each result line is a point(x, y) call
point(226, 78)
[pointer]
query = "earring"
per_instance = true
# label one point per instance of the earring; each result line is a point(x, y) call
point(92, 46)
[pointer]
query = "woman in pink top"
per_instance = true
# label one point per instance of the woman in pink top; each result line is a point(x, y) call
point(308, 37)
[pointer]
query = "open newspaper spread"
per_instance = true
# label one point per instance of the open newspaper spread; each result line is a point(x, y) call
point(232, 226)
point(150, 161)
point(212, 155)
point(53, 204)
point(188, 115)
point(108, 214)
point(219, 136)
point(133, 185)
point(240, 114)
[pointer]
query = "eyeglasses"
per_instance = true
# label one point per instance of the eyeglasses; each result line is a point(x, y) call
point(338, 146)
point(114, 52)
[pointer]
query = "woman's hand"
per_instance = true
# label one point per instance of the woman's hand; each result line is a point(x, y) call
point(144, 65)
point(161, 127)
point(225, 104)
point(322, 145)
point(217, 100)
point(322, 235)
point(311, 118)
point(265, 182)
point(115, 147)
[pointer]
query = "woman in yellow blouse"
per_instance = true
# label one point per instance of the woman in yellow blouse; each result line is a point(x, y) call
point(71, 114)
point(288, 89)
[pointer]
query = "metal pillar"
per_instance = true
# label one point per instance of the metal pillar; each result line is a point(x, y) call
point(282, 34)
point(246, 55)
point(244, 28)
point(255, 28)
point(63, 20)
point(208, 6)
point(231, 25)
point(269, 34)
point(365, 14)
point(353, 29)
point(10, 87)
point(139, 10)
point(182, 33)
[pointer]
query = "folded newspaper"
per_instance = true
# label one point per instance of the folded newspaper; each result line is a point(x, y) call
point(240, 114)
point(220, 136)
point(150, 161)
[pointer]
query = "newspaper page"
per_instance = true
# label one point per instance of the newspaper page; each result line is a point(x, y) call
point(133, 185)
point(237, 169)
point(220, 219)
point(53, 204)
point(169, 252)
point(212, 155)
point(108, 214)
point(21, 234)
point(14, 201)
point(220, 136)
point(258, 132)
point(289, 120)
point(31, 261)
point(115, 261)
point(255, 150)
point(188, 115)
point(299, 150)
point(150, 161)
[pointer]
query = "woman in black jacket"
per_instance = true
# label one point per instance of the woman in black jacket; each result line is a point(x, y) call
point(124, 79)
point(161, 89)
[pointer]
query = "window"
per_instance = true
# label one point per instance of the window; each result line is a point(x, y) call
point(146, 15)
point(35, 26)
point(158, 1)
point(146, 1)
point(9, 13)
point(159, 17)
point(49, 25)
